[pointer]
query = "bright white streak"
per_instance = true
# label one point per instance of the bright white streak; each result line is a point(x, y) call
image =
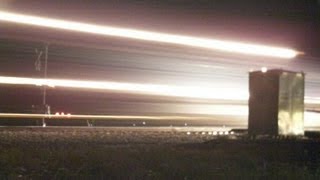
point(152, 89)
point(228, 46)
point(106, 117)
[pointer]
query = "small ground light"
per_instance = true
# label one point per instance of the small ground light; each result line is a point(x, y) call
point(214, 133)
point(133, 124)
point(57, 114)
point(209, 133)
point(226, 132)
point(231, 132)
point(264, 69)
point(44, 125)
point(62, 113)
point(144, 123)
point(220, 133)
point(185, 124)
point(188, 133)
point(203, 133)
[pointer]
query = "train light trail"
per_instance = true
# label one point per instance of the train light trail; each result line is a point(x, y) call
point(150, 89)
point(214, 44)
point(104, 117)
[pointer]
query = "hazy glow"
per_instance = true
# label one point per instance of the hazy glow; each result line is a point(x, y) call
point(312, 100)
point(152, 89)
point(215, 109)
point(312, 119)
point(290, 124)
point(228, 46)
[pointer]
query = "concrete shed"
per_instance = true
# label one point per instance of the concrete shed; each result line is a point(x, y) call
point(276, 103)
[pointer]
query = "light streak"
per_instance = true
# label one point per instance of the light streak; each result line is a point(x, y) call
point(102, 117)
point(312, 100)
point(213, 44)
point(151, 89)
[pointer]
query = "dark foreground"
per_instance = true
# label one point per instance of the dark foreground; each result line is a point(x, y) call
point(57, 153)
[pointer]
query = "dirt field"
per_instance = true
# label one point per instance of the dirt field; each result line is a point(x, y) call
point(113, 153)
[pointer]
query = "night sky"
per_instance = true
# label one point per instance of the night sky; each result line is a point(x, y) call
point(293, 24)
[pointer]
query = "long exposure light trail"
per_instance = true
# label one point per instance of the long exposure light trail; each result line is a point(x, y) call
point(227, 46)
point(151, 89)
point(106, 117)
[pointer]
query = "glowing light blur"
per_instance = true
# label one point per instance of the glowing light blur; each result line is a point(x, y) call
point(106, 117)
point(312, 100)
point(228, 46)
point(152, 89)
point(264, 69)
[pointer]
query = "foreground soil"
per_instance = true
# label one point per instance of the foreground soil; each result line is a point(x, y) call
point(108, 153)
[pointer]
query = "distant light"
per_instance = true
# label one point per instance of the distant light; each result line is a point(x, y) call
point(264, 69)
point(144, 123)
point(226, 132)
point(133, 124)
point(214, 133)
point(220, 132)
point(209, 133)
point(44, 125)
point(231, 132)
point(57, 114)
point(185, 124)
point(188, 133)
point(214, 44)
point(62, 113)
point(203, 133)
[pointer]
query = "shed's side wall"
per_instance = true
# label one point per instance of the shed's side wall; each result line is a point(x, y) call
point(291, 104)
point(263, 103)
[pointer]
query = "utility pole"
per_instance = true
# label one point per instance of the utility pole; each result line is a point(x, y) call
point(44, 97)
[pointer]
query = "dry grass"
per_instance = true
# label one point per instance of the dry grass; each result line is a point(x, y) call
point(121, 154)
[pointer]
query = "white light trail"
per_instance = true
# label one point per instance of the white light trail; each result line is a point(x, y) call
point(102, 117)
point(312, 100)
point(227, 46)
point(151, 89)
